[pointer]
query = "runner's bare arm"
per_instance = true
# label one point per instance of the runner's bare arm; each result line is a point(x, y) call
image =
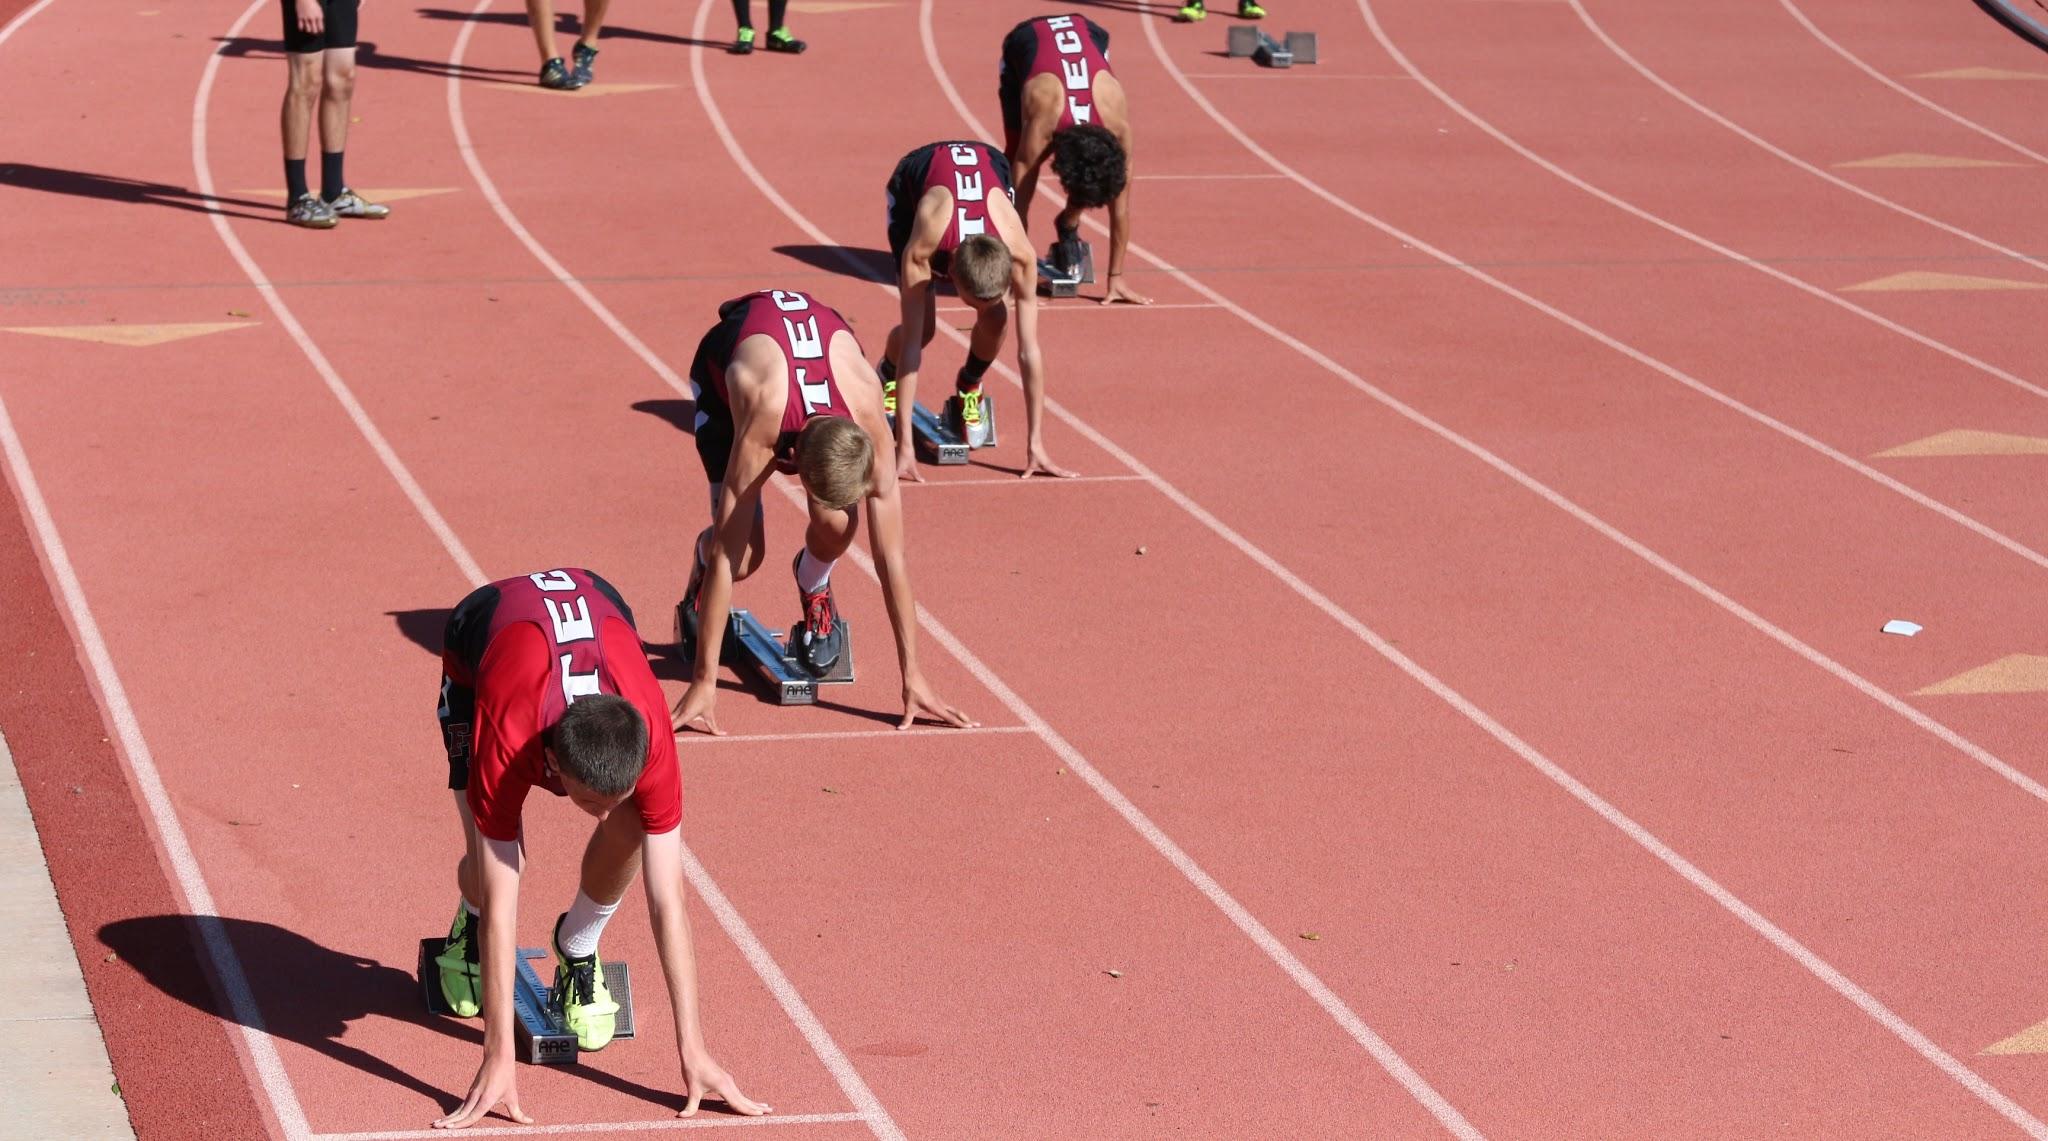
point(1040, 116)
point(496, 1082)
point(758, 419)
point(703, 1077)
point(1117, 116)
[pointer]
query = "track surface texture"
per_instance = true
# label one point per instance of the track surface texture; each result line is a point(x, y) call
point(1456, 701)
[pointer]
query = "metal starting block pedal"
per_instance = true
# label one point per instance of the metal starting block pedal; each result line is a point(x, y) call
point(1247, 40)
point(768, 657)
point(1066, 267)
point(936, 443)
point(539, 1037)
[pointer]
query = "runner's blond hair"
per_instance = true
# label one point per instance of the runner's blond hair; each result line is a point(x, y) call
point(836, 460)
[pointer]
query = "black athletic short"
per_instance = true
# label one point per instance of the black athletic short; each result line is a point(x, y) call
point(339, 30)
point(906, 186)
point(714, 429)
point(463, 641)
point(1018, 48)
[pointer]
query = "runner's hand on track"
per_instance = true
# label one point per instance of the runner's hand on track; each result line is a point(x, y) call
point(696, 703)
point(706, 1078)
point(1118, 291)
point(1041, 464)
point(919, 698)
point(496, 1085)
point(906, 468)
point(312, 18)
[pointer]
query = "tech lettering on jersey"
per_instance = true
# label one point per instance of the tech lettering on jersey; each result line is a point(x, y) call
point(1066, 39)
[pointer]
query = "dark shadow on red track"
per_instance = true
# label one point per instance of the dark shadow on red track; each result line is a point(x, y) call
point(133, 191)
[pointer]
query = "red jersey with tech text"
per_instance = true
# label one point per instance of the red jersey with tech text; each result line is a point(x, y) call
point(803, 329)
point(1066, 50)
point(968, 172)
point(555, 637)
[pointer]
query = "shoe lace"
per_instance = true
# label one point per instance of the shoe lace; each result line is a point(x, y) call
point(819, 613)
point(970, 406)
point(583, 978)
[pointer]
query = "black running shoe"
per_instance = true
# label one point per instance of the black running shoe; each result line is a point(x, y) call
point(780, 40)
point(744, 45)
point(554, 75)
point(686, 612)
point(820, 639)
point(585, 60)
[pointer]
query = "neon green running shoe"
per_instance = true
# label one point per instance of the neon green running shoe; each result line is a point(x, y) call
point(745, 44)
point(580, 998)
point(1250, 11)
point(1191, 12)
point(461, 980)
point(779, 40)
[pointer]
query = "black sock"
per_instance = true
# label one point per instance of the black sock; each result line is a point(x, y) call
point(294, 179)
point(777, 9)
point(886, 370)
point(331, 184)
point(971, 373)
point(743, 11)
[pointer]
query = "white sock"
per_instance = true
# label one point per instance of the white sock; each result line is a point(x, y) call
point(812, 574)
point(584, 923)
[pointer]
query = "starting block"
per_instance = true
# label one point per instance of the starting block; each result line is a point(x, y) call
point(764, 653)
point(936, 443)
point(1066, 267)
point(1247, 40)
point(540, 1037)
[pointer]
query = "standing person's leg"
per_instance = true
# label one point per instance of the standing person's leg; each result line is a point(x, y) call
point(586, 42)
point(743, 19)
point(337, 96)
point(305, 28)
point(540, 16)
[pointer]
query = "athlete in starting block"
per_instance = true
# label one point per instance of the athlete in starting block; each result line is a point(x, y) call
point(1061, 102)
point(950, 213)
point(781, 385)
point(544, 683)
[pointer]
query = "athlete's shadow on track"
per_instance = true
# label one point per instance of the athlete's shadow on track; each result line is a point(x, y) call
point(368, 55)
point(873, 265)
point(308, 994)
point(567, 24)
point(114, 188)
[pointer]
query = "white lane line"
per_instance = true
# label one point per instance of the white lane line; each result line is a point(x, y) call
point(1829, 176)
point(24, 17)
point(1755, 920)
point(587, 1127)
point(850, 1082)
point(1037, 481)
point(696, 738)
point(1211, 177)
point(1800, 15)
point(1097, 307)
point(141, 764)
point(1240, 916)
point(1760, 265)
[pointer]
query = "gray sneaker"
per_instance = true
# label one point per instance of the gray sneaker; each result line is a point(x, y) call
point(353, 205)
point(308, 211)
point(585, 59)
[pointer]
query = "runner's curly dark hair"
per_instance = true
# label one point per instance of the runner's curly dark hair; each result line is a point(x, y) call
point(1091, 165)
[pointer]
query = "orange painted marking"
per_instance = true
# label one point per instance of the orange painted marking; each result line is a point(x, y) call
point(1970, 442)
point(2032, 1040)
point(1913, 161)
point(2014, 673)
point(1926, 281)
point(129, 336)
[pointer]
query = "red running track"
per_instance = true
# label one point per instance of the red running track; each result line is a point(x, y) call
point(1549, 698)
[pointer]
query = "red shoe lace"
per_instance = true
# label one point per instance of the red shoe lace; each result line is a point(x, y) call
point(818, 613)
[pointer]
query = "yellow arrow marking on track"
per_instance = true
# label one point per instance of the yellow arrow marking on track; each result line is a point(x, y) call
point(1971, 442)
point(1982, 73)
point(385, 195)
point(1924, 281)
point(131, 336)
point(1914, 161)
point(2014, 673)
point(594, 91)
point(2032, 1040)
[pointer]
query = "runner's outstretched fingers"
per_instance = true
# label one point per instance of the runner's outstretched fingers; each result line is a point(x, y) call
point(708, 1080)
point(496, 1086)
